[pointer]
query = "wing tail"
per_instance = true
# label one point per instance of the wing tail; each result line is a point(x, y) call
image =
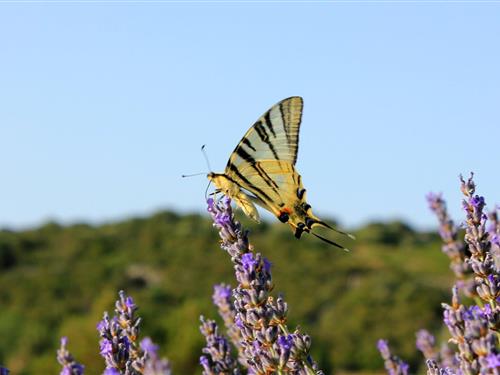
point(329, 241)
point(312, 221)
point(323, 224)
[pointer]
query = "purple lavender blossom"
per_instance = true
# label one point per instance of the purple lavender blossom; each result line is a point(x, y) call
point(392, 363)
point(476, 235)
point(114, 344)
point(149, 346)
point(105, 347)
point(119, 344)
point(4, 371)
point(426, 344)
point(473, 329)
point(64, 357)
point(444, 358)
point(454, 248)
point(456, 317)
point(448, 357)
point(480, 244)
point(222, 298)
point(285, 345)
point(125, 309)
point(217, 358)
point(222, 292)
point(494, 232)
point(493, 361)
point(154, 365)
point(260, 319)
point(434, 369)
point(248, 261)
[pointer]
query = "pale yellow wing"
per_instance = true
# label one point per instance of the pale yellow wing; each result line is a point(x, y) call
point(274, 136)
point(274, 183)
point(263, 162)
point(263, 167)
point(245, 203)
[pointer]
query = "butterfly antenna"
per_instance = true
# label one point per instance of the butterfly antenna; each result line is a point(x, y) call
point(191, 175)
point(208, 164)
point(206, 157)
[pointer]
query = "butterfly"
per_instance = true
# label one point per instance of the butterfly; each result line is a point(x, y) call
point(261, 170)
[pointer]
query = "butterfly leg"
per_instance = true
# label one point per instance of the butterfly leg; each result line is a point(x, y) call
point(214, 193)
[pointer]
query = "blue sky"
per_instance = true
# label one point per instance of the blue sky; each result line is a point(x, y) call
point(105, 105)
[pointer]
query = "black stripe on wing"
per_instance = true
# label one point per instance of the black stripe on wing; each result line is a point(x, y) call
point(249, 186)
point(247, 143)
point(289, 109)
point(285, 128)
point(260, 171)
point(269, 123)
point(261, 131)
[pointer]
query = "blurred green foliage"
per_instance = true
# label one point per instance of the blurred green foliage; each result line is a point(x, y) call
point(57, 281)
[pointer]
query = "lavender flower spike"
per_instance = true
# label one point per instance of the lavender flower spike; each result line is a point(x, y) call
point(475, 231)
point(393, 364)
point(494, 232)
point(119, 343)
point(111, 371)
point(217, 358)
point(125, 309)
point(153, 364)
point(426, 344)
point(64, 357)
point(440, 358)
point(454, 318)
point(114, 345)
point(222, 298)
point(268, 346)
point(433, 369)
point(454, 248)
point(473, 329)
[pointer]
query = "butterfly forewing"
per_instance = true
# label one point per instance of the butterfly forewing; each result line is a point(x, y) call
point(262, 163)
point(274, 136)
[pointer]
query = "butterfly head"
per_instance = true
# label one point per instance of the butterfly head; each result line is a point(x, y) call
point(214, 177)
point(223, 184)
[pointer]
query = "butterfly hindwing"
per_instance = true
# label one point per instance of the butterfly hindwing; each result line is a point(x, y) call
point(272, 182)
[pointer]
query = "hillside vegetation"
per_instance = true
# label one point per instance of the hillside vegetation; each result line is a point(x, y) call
point(57, 281)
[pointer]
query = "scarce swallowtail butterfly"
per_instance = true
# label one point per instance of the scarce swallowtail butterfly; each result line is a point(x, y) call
point(261, 170)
